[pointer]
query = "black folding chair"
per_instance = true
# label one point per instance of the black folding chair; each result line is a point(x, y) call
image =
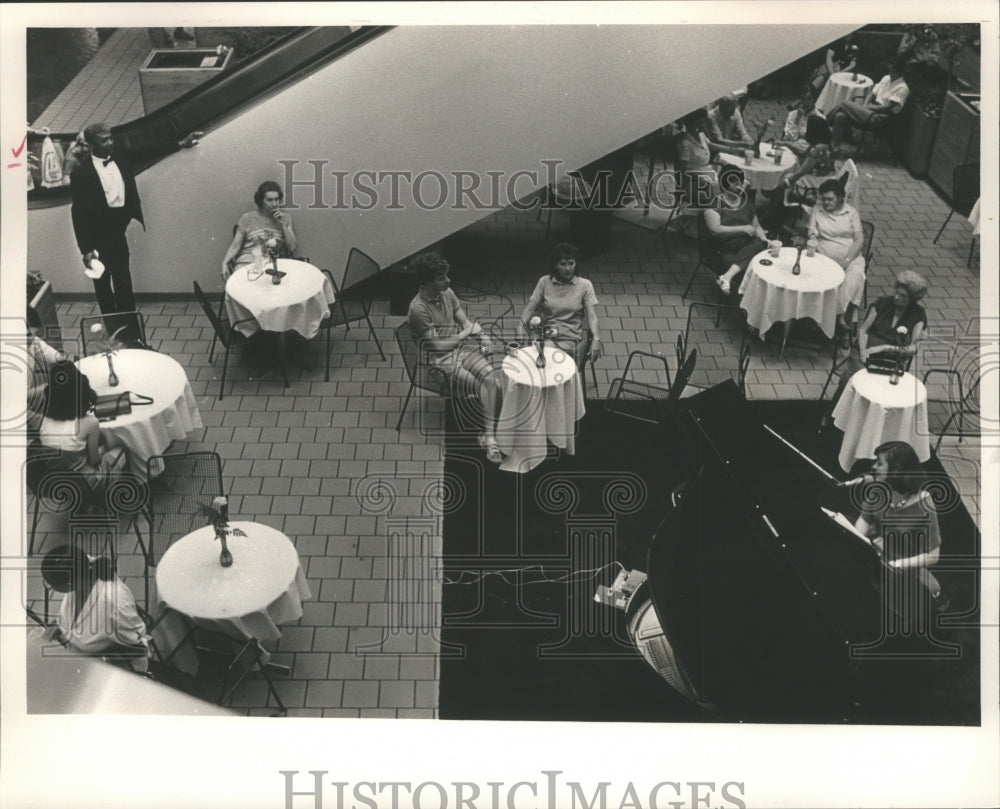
point(629, 388)
point(226, 333)
point(720, 335)
point(964, 193)
point(421, 374)
point(353, 291)
point(957, 413)
point(178, 484)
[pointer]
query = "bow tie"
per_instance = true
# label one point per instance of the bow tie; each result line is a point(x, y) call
point(106, 160)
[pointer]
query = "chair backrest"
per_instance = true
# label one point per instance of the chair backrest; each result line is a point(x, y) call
point(852, 188)
point(965, 187)
point(416, 368)
point(89, 341)
point(359, 269)
point(221, 330)
point(683, 376)
point(869, 240)
point(179, 484)
point(408, 349)
point(720, 335)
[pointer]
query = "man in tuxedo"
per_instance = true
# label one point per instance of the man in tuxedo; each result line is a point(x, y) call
point(105, 201)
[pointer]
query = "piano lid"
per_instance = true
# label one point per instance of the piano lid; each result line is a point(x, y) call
point(759, 592)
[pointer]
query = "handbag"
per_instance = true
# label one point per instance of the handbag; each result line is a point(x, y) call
point(112, 405)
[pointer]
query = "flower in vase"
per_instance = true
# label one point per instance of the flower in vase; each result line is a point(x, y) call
point(902, 331)
point(535, 322)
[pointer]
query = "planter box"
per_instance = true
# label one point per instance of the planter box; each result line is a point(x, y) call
point(169, 74)
point(957, 142)
point(914, 139)
point(44, 305)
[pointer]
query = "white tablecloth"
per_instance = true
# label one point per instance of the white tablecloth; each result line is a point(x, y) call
point(841, 87)
point(539, 405)
point(772, 294)
point(872, 411)
point(262, 589)
point(763, 173)
point(148, 429)
point(974, 218)
point(298, 303)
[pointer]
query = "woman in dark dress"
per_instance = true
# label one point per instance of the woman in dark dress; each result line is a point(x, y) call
point(892, 327)
point(733, 227)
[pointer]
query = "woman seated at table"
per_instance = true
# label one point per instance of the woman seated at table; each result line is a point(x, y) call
point(836, 228)
point(563, 300)
point(433, 317)
point(892, 327)
point(905, 529)
point(266, 228)
point(733, 228)
point(98, 614)
point(841, 58)
point(803, 125)
point(694, 152)
point(70, 426)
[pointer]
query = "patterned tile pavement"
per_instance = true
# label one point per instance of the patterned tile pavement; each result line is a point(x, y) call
point(303, 460)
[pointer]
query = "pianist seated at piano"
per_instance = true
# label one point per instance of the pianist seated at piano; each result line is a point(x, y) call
point(902, 523)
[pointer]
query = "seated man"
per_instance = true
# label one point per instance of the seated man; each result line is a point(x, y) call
point(887, 98)
point(725, 125)
point(454, 344)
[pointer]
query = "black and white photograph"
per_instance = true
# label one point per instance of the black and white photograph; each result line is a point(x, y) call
point(499, 405)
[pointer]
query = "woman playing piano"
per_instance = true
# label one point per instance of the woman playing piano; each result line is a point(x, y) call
point(903, 525)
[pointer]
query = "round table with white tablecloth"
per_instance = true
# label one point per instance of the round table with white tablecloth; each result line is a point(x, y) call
point(763, 173)
point(150, 428)
point(299, 303)
point(872, 411)
point(539, 405)
point(841, 87)
point(773, 294)
point(262, 589)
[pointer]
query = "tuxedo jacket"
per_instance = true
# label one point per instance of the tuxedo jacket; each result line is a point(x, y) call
point(92, 222)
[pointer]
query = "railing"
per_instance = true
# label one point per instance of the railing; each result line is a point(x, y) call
point(152, 137)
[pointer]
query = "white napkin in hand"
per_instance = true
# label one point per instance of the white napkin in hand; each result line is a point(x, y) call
point(96, 269)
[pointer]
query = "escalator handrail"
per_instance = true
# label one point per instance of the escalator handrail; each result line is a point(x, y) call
point(150, 138)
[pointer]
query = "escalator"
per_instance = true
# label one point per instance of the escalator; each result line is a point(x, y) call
point(151, 137)
point(378, 137)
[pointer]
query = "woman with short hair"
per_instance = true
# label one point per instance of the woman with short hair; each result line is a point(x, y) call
point(266, 228)
point(733, 227)
point(567, 303)
point(98, 614)
point(836, 228)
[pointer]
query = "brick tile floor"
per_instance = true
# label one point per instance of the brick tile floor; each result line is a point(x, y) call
point(322, 462)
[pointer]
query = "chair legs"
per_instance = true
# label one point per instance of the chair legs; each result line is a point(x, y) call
point(406, 404)
point(694, 274)
point(225, 365)
point(943, 226)
point(215, 337)
point(972, 249)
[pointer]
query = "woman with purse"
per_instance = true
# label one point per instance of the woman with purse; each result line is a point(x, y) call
point(70, 426)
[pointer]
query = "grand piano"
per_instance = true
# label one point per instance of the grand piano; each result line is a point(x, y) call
point(756, 605)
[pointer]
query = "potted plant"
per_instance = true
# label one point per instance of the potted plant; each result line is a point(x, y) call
point(934, 52)
point(41, 300)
